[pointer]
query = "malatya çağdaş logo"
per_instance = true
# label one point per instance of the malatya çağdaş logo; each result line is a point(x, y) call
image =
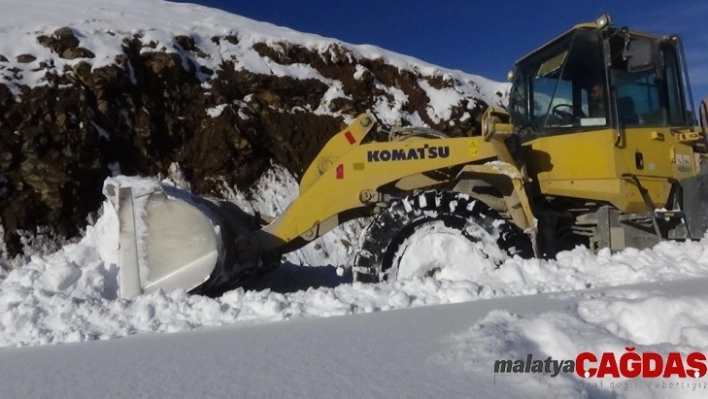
point(630, 364)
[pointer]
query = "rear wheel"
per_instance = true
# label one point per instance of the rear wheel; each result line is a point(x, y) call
point(436, 233)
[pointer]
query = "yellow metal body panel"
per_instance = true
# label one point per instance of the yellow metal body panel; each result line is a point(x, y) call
point(585, 165)
point(335, 147)
point(517, 199)
point(367, 167)
point(589, 165)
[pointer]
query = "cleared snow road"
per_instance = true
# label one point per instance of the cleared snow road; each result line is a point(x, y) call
point(406, 353)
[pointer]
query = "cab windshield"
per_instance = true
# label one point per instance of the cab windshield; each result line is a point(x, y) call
point(564, 88)
point(561, 88)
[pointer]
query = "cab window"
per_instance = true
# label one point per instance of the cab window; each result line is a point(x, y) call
point(553, 89)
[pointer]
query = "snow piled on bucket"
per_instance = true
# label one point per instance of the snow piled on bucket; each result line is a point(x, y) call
point(71, 295)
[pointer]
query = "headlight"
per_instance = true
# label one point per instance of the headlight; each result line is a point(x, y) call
point(603, 20)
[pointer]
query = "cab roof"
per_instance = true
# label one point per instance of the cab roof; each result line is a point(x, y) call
point(588, 26)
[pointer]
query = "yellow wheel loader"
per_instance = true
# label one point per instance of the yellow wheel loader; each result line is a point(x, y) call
point(599, 146)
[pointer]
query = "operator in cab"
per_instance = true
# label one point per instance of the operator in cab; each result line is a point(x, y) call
point(596, 105)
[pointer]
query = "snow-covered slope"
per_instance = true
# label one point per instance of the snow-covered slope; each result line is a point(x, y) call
point(102, 25)
point(94, 88)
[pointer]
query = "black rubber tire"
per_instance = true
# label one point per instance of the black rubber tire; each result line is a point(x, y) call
point(381, 240)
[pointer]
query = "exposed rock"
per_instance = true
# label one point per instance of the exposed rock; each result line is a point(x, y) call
point(186, 42)
point(231, 39)
point(342, 105)
point(148, 111)
point(78, 52)
point(25, 58)
point(65, 43)
point(4, 191)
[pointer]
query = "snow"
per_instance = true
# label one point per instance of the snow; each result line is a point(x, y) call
point(682, 321)
point(434, 351)
point(441, 101)
point(71, 295)
point(101, 26)
point(578, 303)
point(436, 247)
point(290, 340)
point(564, 332)
point(215, 112)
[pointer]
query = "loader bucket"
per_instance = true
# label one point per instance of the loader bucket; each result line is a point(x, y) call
point(695, 202)
point(170, 239)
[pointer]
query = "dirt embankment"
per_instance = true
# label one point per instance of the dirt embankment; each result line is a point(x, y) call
point(59, 141)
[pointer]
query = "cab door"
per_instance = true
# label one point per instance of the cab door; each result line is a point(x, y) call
point(649, 111)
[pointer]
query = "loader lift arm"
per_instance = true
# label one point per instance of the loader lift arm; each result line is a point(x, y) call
point(347, 182)
point(344, 181)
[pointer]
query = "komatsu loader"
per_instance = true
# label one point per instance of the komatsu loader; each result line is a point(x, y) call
point(600, 145)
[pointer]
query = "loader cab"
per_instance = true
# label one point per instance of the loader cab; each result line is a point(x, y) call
point(598, 76)
point(602, 104)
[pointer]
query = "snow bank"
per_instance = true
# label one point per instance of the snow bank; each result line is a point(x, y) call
point(651, 321)
point(619, 320)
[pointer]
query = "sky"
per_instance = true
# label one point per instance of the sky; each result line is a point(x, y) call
point(483, 38)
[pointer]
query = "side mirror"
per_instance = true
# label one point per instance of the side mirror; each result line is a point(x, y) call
point(639, 54)
point(703, 113)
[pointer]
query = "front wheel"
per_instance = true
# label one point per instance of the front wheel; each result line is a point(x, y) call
point(436, 233)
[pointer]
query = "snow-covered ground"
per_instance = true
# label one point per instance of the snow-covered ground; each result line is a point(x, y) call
point(548, 308)
point(434, 351)
point(71, 295)
point(579, 302)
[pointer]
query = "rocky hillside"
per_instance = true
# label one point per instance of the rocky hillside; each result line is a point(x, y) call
point(86, 100)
